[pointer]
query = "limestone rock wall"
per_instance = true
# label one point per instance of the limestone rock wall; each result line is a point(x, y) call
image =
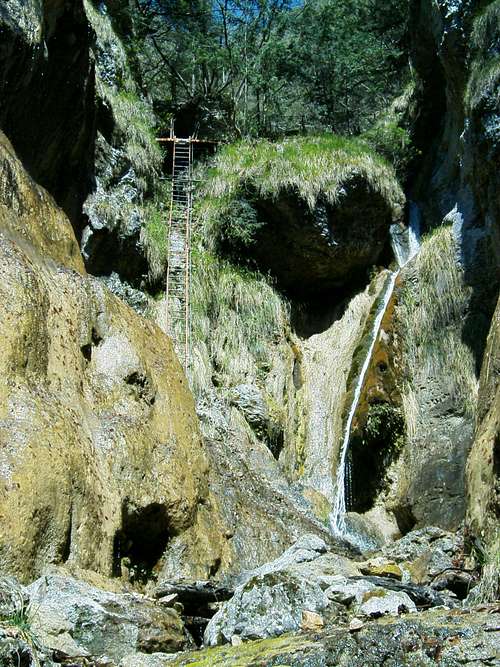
point(84, 131)
point(455, 53)
point(483, 465)
point(47, 90)
point(102, 464)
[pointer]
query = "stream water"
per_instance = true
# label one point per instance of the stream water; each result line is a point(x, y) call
point(405, 244)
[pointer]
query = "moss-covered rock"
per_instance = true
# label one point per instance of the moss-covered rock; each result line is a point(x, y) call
point(101, 459)
point(299, 208)
point(442, 638)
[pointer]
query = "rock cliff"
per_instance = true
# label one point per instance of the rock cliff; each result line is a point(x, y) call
point(158, 509)
point(102, 460)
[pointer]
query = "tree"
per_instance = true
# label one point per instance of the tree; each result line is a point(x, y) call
point(271, 67)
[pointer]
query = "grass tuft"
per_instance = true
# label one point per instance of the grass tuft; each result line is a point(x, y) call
point(237, 318)
point(135, 122)
point(484, 78)
point(432, 304)
point(17, 614)
point(154, 232)
point(488, 589)
point(311, 166)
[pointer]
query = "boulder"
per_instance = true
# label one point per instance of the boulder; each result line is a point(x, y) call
point(267, 605)
point(380, 602)
point(311, 621)
point(249, 399)
point(316, 225)
point(348, 591)
point(78, 619)
point(323, 248)
point(425, 553)
point(307, 548)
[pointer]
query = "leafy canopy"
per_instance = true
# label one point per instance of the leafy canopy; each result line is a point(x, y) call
point(271, 67)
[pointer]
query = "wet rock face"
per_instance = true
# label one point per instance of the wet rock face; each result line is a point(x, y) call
point(47, 93)
point(323, 249)
point(101, 460)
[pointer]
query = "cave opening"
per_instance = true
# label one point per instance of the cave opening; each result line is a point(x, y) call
point(372, 449)
point(141, 541)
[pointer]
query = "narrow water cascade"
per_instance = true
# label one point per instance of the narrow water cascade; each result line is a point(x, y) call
point(405, 246)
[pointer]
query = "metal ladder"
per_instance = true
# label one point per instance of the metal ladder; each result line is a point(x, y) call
point(178, 254)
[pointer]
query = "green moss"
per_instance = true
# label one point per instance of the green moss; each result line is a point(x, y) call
point(361, 350)
point(248, 653)
point(384, 422)
point(378, 593)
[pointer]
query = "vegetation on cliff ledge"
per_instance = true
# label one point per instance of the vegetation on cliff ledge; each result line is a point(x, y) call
point(312, 166)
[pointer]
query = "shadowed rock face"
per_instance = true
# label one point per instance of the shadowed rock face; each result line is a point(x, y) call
point(47, 94)
point(329, 247)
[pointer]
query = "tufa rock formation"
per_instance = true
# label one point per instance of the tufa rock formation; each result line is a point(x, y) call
point(101, 458)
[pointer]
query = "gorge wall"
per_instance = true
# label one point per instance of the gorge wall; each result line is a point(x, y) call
point(114, 465)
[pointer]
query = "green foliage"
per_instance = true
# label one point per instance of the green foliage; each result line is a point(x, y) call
point(391, 141)
point(390, 136)
point(155, 239)
point(239, 224)
point(246, 68)
point(384, 423)
point(311, 166)
point(345, 59)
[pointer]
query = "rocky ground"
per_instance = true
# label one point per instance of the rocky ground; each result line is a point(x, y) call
point(408, 604)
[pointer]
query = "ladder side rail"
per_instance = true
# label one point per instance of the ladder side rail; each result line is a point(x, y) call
point(186, 259)
point(169, 238)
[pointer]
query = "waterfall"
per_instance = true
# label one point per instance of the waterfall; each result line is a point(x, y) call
point(405, 244)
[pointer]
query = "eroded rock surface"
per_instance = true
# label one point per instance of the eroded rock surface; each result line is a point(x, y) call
point(77, 619)
point(101, 460)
